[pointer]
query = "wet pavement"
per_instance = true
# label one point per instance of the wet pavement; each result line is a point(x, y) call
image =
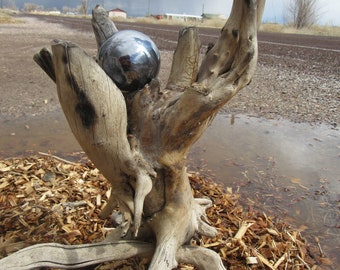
point(290, 171)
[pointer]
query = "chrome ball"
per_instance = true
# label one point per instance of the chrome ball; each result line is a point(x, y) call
point(130, 58)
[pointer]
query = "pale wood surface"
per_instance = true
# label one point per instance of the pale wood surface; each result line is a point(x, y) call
point(139, 141)
point(73, 257)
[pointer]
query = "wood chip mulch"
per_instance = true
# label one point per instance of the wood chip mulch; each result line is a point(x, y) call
point(47, 199)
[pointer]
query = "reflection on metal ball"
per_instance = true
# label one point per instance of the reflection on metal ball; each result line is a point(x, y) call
point(130, 58)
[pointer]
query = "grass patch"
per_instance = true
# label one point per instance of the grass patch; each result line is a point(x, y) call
point(219, 23)
point(6, 16)
point(214, 23)
point(317, 30)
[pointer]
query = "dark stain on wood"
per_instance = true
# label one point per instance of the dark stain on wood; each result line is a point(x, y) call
point(84, 107)
point(86, 110)
point(235, 33)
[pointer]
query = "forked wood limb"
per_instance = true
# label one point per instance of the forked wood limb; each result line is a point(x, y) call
point(139, 141)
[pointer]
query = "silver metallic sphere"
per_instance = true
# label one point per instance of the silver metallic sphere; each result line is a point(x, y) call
point(130, 58)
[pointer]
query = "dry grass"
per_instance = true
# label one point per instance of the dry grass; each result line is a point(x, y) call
point(6, 16)
point(151, 20)
point(218, 23)
point(215, 23)
point(314, 30)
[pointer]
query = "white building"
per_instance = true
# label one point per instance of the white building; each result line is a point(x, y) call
point(117, 12)
point(182, 17)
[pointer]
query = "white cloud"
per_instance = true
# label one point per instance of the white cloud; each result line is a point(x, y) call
point(329, 10)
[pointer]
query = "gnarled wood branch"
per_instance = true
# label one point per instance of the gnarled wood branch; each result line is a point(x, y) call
point(139, 141)
point(77, 256)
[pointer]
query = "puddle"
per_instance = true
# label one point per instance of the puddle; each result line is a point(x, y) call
point(291, 171)
point(303, 153)
point(46, 133)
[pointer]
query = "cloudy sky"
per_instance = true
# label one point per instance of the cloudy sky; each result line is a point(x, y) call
point(328, 10)
point(275, 10)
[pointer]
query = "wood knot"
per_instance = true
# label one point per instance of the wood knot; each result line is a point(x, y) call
point(235, 33)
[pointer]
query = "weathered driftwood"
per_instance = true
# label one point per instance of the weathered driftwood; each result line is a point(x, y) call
point(139, 141)
point(76, 256)
point(73, 256)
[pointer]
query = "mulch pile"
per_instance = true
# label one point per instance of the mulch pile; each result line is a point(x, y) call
point(47, 199)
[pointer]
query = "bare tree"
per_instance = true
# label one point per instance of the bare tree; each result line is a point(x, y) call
point(84, 6)
point(66, 9)
point(29, 7)
point(302, 13)
point(11, 5)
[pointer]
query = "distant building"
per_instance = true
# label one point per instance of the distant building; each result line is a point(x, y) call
point(117, 12)
point(182, 17)
point(54, 12)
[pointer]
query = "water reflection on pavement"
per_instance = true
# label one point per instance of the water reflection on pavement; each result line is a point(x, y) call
point(288, 170)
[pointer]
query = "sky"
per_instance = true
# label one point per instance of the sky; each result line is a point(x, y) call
point(328, 11)
point(275, 10)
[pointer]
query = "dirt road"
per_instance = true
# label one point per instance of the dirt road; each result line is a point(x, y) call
point(298, 77)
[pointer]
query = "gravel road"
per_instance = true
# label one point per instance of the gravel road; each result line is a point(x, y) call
point(298, 76)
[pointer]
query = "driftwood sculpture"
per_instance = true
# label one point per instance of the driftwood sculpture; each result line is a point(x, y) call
point(139, 140)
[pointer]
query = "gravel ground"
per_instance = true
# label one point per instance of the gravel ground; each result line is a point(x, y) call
point(295, 83)
point(293, 89)
point(25, 89)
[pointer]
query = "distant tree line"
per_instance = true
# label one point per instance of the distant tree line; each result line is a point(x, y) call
point(30, 7)
point(9, 4)
point(301, 13)
point(83, 8)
